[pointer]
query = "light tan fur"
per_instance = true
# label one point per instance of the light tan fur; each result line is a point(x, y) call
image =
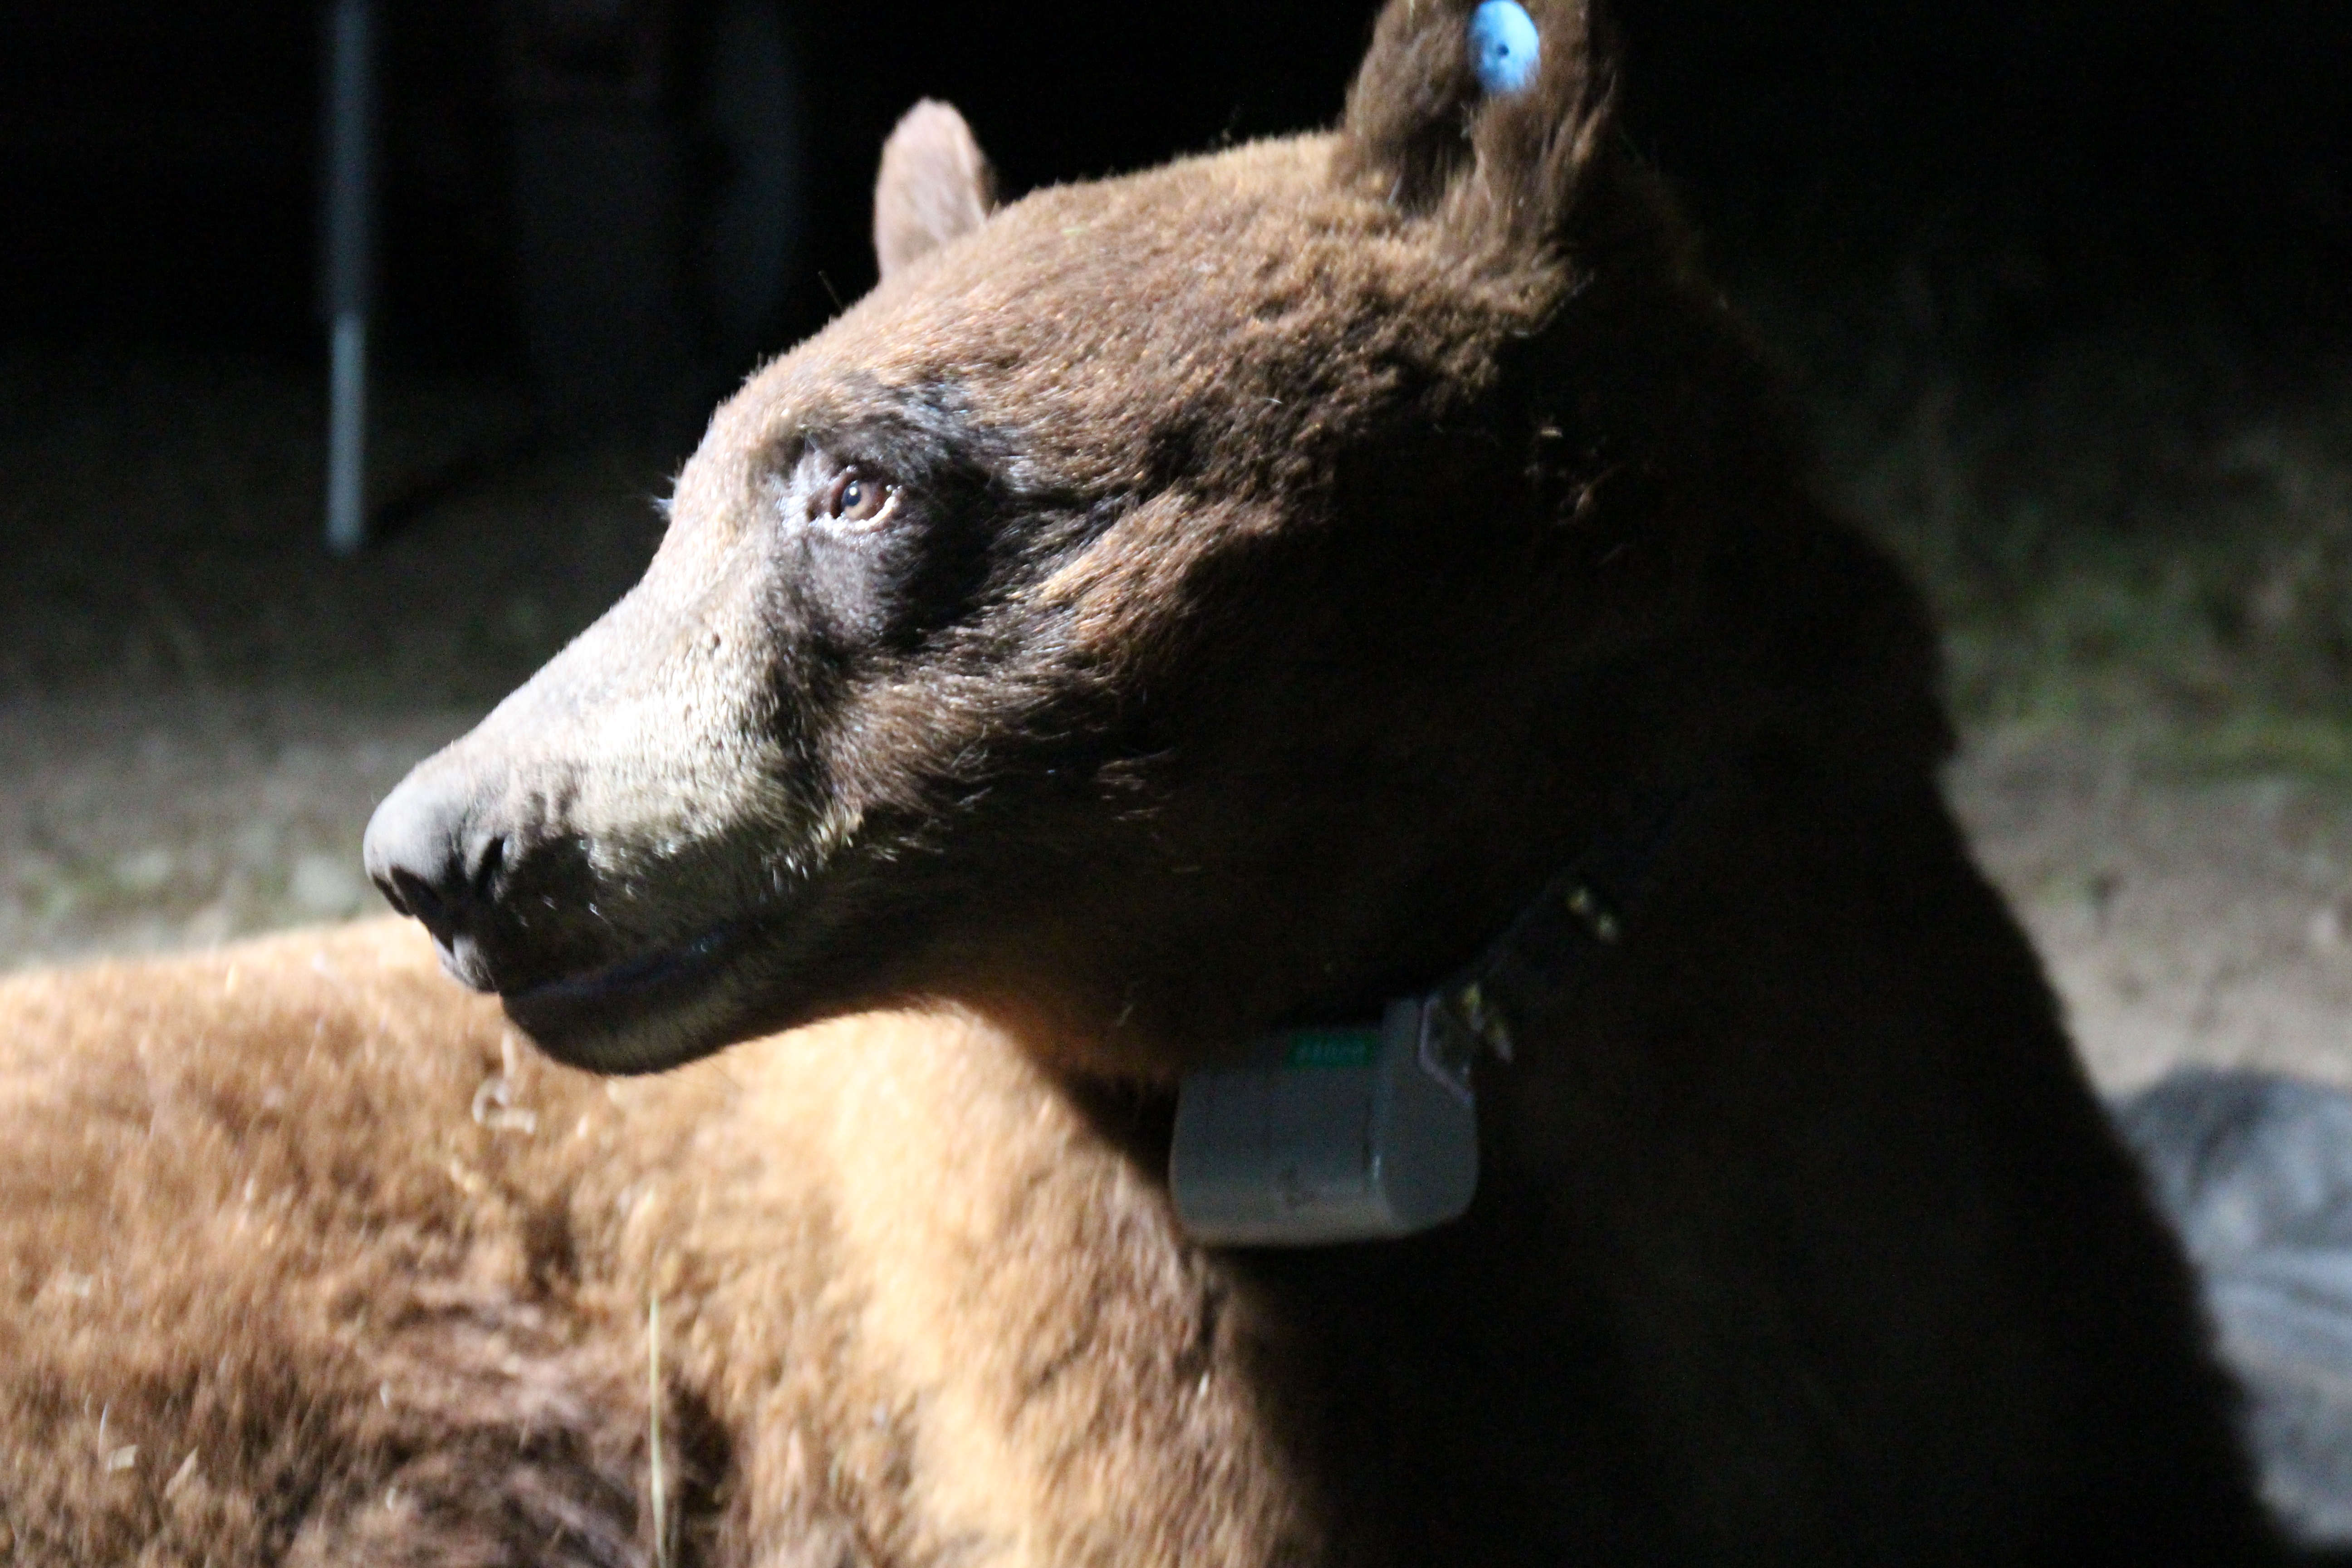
point(302, 1212)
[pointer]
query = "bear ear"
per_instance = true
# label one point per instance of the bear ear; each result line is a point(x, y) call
point(1490, 115)
point(934, 185)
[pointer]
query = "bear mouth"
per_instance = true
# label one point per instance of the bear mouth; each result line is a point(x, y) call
point(641, 1014)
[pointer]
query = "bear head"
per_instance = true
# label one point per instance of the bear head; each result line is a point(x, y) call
point(1164, 607)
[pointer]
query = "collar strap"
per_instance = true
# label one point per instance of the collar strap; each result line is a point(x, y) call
point(1545, 954)
point(1356, 1134)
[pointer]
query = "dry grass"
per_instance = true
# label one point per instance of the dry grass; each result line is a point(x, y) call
point(2140, 529)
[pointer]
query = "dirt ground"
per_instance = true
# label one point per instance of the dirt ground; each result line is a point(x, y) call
point(2182, 918)
point(130, 825)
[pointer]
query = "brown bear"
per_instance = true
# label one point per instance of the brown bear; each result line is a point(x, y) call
point(1223, 600)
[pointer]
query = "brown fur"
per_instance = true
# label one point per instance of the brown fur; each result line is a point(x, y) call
point(355, 1275)
point(1177, 607)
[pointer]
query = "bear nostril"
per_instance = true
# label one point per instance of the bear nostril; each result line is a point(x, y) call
point(390, 888)
point(429, 867)
point(489, 866)
point(413, 896)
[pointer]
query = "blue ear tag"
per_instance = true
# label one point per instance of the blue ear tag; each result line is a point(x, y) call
point(1504, 46)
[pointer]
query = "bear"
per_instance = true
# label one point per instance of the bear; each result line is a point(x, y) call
point(1238, 598)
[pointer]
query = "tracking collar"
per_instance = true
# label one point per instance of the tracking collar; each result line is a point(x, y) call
point(1362, 1133)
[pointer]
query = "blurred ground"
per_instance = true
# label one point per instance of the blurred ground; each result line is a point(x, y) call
point(198, 707)
point(2184, 918)
point(2138, 537)
point(198, 710)
point(131, 824)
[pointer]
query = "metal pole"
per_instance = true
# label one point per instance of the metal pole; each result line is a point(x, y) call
point(350, 135)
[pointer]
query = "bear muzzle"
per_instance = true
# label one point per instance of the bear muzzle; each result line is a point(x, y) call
point(502, 890)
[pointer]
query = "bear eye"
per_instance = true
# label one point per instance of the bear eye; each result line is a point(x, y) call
point(854, 497)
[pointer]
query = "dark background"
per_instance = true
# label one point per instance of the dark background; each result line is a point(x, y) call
point(2060, 161)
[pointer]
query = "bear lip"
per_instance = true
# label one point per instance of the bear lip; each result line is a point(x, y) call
point(606, 1000)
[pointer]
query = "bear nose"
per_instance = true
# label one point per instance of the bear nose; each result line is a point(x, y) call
point(433, 857)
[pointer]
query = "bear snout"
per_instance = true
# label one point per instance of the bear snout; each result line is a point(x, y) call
point(431, 859)
point(439, 858)
point(472, 847)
